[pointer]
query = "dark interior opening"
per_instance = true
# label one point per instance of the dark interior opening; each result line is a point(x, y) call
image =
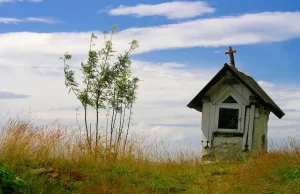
point(228, 118)
point(230, 99)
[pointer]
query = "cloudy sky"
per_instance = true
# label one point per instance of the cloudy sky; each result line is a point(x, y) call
point(182, 45)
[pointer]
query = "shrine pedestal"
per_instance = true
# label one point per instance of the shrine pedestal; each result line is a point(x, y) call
point(224, 149)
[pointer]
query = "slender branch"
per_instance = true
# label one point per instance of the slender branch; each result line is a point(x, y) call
point(129, 120)
point(121, 127)
point(106, 131)
point(111, 123)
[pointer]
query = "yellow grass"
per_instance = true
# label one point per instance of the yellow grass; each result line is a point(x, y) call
point(145, 166)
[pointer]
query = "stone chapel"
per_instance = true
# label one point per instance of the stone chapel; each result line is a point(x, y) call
point(235, 113)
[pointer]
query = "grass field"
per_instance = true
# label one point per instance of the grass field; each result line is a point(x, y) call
point(55, 160)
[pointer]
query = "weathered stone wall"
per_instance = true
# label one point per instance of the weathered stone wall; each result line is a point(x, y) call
point(260, 131)
point(228, 148)
point(225, 149)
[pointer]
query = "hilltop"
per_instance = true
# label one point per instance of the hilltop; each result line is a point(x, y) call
point(55, 160)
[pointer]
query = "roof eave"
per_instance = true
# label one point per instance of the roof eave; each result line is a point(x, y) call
point(275, 110)
point(205, 89)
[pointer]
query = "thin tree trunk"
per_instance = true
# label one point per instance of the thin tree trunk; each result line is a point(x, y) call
point(97, 118)
point(121, 127)
point(111, 122)
point(114, 118)
point(119, 130)
point(86, 126)
point(97, 122)
point(111, 128)
point(114, 123)
point(130, 113)
point(91, 136)
point(106, 139)
point(123, 118)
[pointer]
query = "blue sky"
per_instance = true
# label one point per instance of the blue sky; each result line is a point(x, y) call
point(182, 46)
point(85, 16)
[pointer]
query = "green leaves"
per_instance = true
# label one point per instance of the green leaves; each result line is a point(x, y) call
point(134, 45)
point(93, 36)
point(115, 27)
point(69, 74)
point(67, 56)
point(106, 84)
point(10, 183)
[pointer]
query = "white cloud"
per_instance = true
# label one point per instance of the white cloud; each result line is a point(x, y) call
point(171, 10)
point(29, 58)
point(11, 95)
point(178, 65)
point(164, 93)
point(10, 20)
point(160, 110)
point(28, 19)
point(13, 1)
point(41, 20)
point(234, 30)
point(163, 132)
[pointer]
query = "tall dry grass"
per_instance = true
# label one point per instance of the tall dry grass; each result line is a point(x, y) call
point(145, 166)
point(25, 147)
point(22, 141)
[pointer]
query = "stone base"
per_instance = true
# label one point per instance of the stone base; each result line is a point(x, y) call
point(224, 149)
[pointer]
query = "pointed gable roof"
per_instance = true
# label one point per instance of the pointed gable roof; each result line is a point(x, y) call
point(248, 81)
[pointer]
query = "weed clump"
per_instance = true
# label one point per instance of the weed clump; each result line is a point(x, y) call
point(10, 183)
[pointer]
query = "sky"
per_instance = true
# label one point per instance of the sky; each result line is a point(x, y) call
point(182, 45)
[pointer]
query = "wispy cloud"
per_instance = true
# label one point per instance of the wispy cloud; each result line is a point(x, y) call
point(10, 20)
point(105, 10)
point(175, 65)
point(64, 108)
point(47, 70)
point(246, 29)
point(13, 1)
point(291, 110)
point(171, 10)
point(45, 20)
point(41, 20)
point(11, 95)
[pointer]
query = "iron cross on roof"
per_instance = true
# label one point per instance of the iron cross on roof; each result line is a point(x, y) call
point(230, 53)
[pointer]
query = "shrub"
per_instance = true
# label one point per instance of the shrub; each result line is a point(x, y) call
point(10, 183)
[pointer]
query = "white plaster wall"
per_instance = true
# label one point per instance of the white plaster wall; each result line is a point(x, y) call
point(217, 90)
point(205, 124)
point(221, 148)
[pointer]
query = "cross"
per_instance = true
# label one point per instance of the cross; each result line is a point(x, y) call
point(230, 53)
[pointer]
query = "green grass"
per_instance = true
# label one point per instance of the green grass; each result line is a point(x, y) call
point(55, 160)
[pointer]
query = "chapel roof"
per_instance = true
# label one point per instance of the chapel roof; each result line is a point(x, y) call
point(246, 80)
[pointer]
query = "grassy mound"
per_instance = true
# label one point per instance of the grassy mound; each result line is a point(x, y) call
point(56, 160)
